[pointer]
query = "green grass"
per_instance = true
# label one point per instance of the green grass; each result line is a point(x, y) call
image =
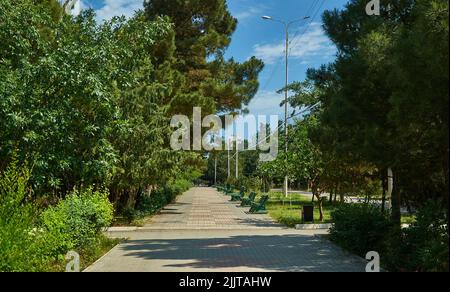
point(287, 210)
point(408, 219)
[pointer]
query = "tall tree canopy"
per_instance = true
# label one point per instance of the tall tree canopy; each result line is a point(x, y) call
point(203, 31)
point(78, 122)
point(384, 101)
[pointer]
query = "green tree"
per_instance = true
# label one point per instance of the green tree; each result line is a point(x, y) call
point(203, 31)
point(384, 101)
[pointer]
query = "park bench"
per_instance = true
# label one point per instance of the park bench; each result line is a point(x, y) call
point(228, 189)
point(225, 188)
point(238, 196)
point(247, 202)
point(260, 207)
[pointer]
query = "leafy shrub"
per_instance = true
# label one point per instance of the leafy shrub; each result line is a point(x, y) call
point(359, 228)
point(424, 246)
point(19, 241)
point(76, 221)
point(158, 199)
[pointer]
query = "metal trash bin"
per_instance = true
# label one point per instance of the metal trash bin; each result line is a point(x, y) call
point(308, 213)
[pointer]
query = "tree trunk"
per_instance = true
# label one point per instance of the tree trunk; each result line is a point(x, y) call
point(396, 202)
point(446, 175)
point(320, 203)
point(383, 199)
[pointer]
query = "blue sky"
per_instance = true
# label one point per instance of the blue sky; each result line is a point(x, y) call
point(264, 39)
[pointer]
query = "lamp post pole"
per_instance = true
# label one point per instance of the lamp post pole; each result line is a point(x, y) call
point(228, 152)
point(286, 92)
point(215, 170)
point(286, 130)
point(237, 159)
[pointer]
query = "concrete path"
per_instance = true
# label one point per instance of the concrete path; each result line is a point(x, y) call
point(204, 232)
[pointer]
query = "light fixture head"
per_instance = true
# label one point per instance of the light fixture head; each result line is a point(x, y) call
point(265, 17)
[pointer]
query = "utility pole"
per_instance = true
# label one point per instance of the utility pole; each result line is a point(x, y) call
point(286, 91)
point(286, 177)
point(229, 164)
point(237, 158)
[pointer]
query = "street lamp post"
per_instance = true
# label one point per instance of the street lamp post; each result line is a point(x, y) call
point(287, 25)
point(237, 159)
point(228, 154)
point(215, 170)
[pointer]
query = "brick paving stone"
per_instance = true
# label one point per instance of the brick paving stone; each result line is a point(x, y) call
point(204, 232)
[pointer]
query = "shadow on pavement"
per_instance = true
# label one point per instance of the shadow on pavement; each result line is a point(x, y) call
point(272, 253)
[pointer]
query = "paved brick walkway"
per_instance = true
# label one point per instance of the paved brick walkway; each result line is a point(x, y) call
point(204, 232)
point(205, 208)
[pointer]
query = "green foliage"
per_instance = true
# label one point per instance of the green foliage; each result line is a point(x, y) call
point(76, 221)
point(108, 125)
point(359, 228)
point(151, 203)
point(423, 247)
point(203, 31)
point(73, 115)
point(19, 241)
point(90, 104)
point(384, 101)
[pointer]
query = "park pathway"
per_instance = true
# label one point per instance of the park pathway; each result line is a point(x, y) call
point(206, 209)
point(204, 232)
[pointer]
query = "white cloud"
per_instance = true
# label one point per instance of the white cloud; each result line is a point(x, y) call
point(249, 12)
point(312, 44)
point(266, 103)
point(113, 8)
point(78, 7)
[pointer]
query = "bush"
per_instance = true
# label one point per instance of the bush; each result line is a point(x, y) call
point(359, 228)
point(76, 221)
point(151, 204)
point(424, 246)
point(19, 241)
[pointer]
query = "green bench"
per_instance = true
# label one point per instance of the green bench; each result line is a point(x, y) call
point(260, 207)
point(228, 189)
point(247, 202)
point(225, 188)
point(238, 196)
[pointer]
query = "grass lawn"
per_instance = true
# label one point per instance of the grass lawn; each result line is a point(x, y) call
point(408, 219)
point(287, 210)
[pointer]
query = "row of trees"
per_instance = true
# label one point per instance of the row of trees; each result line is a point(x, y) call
point(382, 104)
point(90, 103)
